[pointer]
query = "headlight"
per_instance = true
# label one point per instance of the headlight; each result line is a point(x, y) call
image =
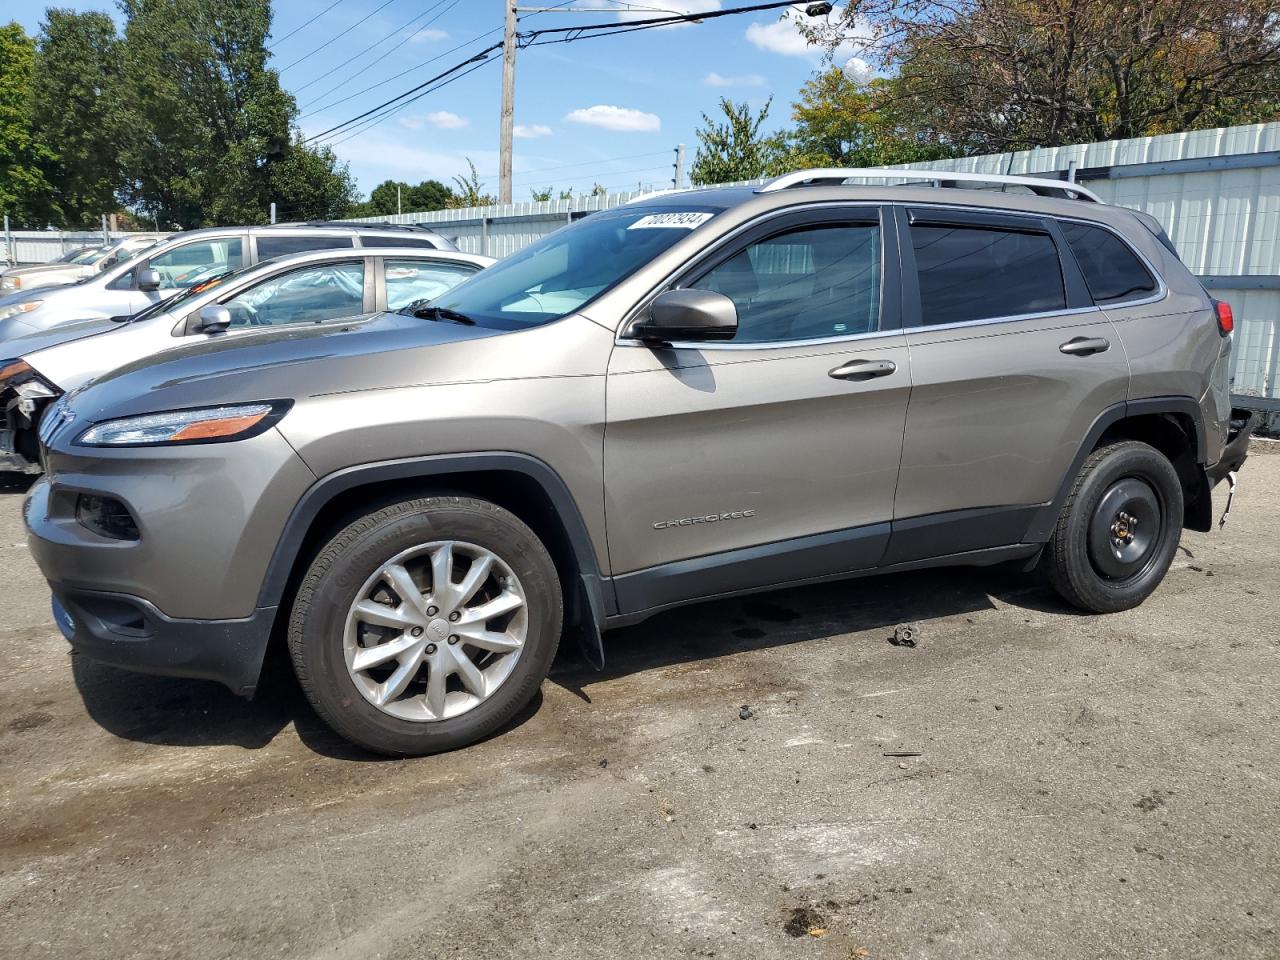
point(17, 309)
point(11, 283)
point(207, 425)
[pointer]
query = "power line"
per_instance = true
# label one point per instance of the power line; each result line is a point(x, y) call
point(336, 37)
point(587, 163)
point(589, 30)
point(277, 43)
point(393, 33)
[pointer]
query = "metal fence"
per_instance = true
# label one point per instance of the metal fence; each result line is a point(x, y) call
point(23, 247)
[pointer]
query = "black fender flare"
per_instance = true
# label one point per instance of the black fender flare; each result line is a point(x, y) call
point(599, 596)
point(1047, 515)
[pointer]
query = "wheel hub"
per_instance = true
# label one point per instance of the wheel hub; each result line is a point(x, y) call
point(1124, 532)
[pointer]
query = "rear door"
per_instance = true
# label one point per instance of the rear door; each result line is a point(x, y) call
point(1011, 364)
point(772, 457)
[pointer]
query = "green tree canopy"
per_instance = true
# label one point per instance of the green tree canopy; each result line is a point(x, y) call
point(75, 86)
point(24, 191)
point(735, 149)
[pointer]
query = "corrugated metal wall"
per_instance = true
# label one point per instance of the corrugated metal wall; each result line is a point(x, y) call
point(1216, 191)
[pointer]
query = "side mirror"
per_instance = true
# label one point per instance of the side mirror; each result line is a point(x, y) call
point(148, 280)
point(215, 318)
point(688, 315)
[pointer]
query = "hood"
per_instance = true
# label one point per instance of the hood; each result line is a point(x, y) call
point(365, 353)
point(71, 268)
point(27, 344)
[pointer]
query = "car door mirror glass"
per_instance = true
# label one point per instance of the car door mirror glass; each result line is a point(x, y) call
point(688, 315)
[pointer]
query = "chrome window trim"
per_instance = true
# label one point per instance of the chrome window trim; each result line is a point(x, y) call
point(620, 340)
point(1012, 318)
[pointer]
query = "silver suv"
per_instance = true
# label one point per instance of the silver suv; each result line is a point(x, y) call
point(697, 395)
point(185, 259)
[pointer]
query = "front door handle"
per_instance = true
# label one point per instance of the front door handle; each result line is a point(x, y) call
point(863, 370)
point(1084, 346)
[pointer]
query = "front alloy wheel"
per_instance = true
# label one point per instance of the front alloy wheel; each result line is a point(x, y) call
point(426, 625)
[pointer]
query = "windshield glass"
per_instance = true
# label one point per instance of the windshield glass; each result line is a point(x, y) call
point(75, 256)
point(164, 306)
point(565, 270)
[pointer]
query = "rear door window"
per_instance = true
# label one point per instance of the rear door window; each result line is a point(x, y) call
point(270, 247)
point(971, 272)
point(1112, 271)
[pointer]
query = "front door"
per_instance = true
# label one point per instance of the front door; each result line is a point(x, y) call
point(1011, 364)
point(772, 457)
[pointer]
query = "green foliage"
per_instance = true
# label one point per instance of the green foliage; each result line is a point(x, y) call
point(541, 196)
point(735, 149)
point(75, 86)
point(24, 191)
point(841, 122)
point(469, 192)
point(310, 183)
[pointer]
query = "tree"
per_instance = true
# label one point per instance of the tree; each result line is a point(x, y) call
point(736, 149)
point(1009, 74)
point(310, 183)
point(541, 196)
point(841, 122)
point(24, 191)
point(203, 117)
point(566, 194)
point(429, 195)
point(75, 89)
point(469, 192)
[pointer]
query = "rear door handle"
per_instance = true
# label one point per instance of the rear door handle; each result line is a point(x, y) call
point(1084, 346)
point(863, 370)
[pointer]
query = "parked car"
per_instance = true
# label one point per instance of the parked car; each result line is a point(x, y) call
point(303, 288)
point(699, 395)
point(84, 262)
point(182, 260)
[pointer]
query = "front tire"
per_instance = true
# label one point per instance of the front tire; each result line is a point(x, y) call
point(1118, 530)
point(426, 625)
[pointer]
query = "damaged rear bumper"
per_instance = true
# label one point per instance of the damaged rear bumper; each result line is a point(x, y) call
point(1236, 450)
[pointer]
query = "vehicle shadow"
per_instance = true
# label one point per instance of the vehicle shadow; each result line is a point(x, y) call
point(195, 713)
point(15, 483)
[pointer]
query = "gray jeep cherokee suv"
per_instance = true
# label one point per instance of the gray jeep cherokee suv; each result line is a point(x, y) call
point(696, 395)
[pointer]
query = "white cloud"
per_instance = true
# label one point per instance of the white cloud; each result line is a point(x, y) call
point(428, 34)
point(783, 36)
point(447, 121)
point(714, 79)
point(623, 119)
point(531, 131)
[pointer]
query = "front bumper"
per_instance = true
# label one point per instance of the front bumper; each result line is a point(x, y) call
point(131, 633)
point(1236, 450)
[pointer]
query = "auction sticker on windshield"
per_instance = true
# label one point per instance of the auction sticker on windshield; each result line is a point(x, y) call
point(679, 221)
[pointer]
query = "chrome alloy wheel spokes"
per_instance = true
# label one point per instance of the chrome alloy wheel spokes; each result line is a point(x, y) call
point(435, 631)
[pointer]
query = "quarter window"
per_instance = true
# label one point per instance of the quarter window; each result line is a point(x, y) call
point(977, 273)
point(1112, 271)
point(409, 281)
point(323, 292)
point(806, 284)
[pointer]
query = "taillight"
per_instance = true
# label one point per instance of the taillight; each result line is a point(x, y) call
point(1226, 322)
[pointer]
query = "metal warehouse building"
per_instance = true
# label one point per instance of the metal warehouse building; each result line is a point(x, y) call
point(1217, 192)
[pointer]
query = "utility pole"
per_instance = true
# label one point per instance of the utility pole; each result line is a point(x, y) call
point(273, 213)
point(508, 99)
point(678, 180)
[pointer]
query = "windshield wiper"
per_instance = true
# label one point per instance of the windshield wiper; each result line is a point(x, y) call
point(424, 312)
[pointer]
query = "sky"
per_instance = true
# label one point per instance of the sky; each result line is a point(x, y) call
point(608, 110)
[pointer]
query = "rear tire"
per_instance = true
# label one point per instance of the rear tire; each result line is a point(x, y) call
point(1118, 530)
point(426, 625)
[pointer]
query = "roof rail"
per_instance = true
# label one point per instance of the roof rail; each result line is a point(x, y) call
point(1040, 186)
point(357, 225)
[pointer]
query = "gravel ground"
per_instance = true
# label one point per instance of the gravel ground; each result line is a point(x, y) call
point(1071, 787)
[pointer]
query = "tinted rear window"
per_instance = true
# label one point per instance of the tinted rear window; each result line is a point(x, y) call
point(409, 241)
point(1112, 271)
point(271, 247)
point(979, 273)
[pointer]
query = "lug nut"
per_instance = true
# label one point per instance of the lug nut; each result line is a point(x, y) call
point(416, 632)
point(432, 611)
point(453, 617)
point(453, 638)
point(431, 648)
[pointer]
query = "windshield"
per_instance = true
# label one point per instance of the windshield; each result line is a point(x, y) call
point(563, 271)
point(202, 286)
point(78, 255)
